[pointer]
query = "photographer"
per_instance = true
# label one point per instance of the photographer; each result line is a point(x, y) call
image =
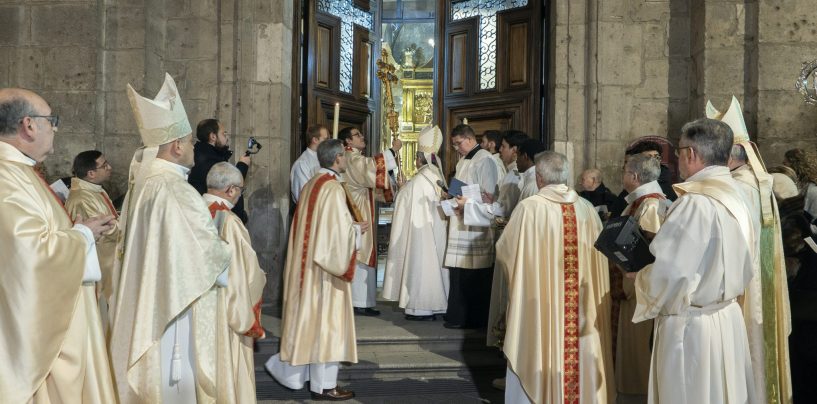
point(214, 147)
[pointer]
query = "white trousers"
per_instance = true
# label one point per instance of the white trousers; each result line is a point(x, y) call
point(514, 393)
point(184, 390)
point(364, 286)
point(321, 376)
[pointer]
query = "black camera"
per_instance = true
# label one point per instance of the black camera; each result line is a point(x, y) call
point(252, 146)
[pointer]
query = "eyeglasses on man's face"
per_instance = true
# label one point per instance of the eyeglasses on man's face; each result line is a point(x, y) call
point(54, 120)
point(104, 165)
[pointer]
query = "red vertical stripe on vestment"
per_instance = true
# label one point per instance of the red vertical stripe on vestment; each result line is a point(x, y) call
point(571, 296)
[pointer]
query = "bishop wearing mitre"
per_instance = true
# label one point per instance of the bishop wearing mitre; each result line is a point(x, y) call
point(415, 275)
point(766, 301)
point(171, 260)
point(52, 349)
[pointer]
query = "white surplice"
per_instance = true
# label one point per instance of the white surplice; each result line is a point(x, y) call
point(528, 186)
point(703, 264)
point(303, 169)
point(414, 272)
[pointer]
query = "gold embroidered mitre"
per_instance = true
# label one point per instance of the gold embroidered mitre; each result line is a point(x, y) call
point(162, 119)
point(734, 118)
point(430, 140)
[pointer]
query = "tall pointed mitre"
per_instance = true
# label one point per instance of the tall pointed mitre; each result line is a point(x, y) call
point(162, 119)
point(734, 118)
point(429, 141)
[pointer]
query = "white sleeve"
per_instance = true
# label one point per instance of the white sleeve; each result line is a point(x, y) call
point(358, 237)
point(487, 176)
point(391, 163)
point(476, 214)
point(300, 177)
point(92, 273)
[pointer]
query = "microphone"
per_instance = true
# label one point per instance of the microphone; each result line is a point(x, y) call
point(441, 184)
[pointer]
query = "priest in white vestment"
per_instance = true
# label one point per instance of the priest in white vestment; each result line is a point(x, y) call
point(318, 323)
point(703, 264)
point(87, 199)
point(306, 166)
point(766, 302)
point(367, 180)
point(415, 275)
point(648, 205)
point(52, 347)
point(525, 162)
point(170, 262)
point(239, 303)
point(558, 340)
point(469, 253)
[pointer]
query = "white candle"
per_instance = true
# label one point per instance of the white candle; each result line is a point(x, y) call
point(335, 121)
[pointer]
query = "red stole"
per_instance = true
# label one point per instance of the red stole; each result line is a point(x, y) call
point(571, 302)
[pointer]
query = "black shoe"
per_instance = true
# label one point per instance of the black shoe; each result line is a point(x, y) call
point(366, 311)
point(453, 326)
point(336, 394)
point(429, 317)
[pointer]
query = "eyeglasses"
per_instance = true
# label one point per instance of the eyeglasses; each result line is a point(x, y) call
point(240, 189)
point(678, 150)
point(54, 120)
point(106, 164)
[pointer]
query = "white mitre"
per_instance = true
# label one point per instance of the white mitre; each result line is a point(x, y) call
point(734, 118)
point(428, 142)
point(162, 119)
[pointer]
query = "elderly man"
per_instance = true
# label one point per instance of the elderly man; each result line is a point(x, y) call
point(766, 303)
point(703, 263)
point(164, 335)
point(322, 261)
point(648, 205)
point(415, 275)
point(213, 146)
point(594, 190)
point(367, 179)
point(470, 252)
point(239, 303)
point(305, 167)
point(88, 199)
point(557, 340)
point(52, 348)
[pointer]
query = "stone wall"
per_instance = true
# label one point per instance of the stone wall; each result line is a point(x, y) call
point(622, 69)
point(230, 58)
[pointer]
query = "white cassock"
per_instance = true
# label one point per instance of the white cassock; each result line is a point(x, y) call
point(414, 272)
point(303, 169)
point(703, 264)
point(528, 186)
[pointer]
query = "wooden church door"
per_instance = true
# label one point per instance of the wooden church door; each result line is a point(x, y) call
point(491, 67)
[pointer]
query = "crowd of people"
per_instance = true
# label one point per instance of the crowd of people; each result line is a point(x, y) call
point(160, 301)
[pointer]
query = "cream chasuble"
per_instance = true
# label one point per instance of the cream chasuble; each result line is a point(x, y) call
point(363, 176)
point(239, 308)
point(88, 200)
point(318, 325)
point(52, 349)
point(558, 339)
point(171, 256)
point(648, 205)
point(472, 247)
point(414, 272)
point(703, 264)
point(766, 302)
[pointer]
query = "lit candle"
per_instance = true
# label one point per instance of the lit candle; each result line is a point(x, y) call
point(465, 121)
point(335, 121)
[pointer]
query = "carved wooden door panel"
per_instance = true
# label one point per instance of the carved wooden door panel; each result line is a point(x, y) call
point(490, 69)
point(340, 36)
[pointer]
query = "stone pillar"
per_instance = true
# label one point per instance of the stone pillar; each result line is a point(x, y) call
point(787, 37)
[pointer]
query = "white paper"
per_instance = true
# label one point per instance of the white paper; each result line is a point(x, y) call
point(448, 209)
point(60, 189)
point(472, 192)
point(810, 242)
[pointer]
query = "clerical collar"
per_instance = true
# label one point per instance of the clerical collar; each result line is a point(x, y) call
point(210, 199)
point(332, 173)
point(473, 151)
point(644, 189)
